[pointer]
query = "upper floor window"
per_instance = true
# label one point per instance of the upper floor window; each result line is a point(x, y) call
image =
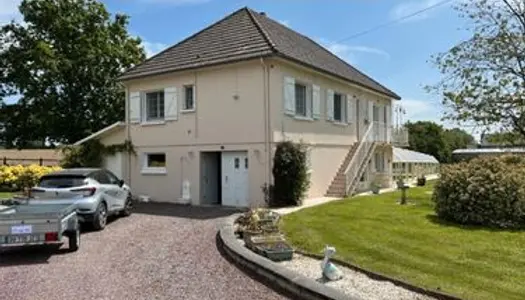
point(301, 100)
point(189, 98)
point(340, 108)
point(154, 106)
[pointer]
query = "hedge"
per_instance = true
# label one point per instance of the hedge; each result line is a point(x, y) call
point(18, 177)
point(488, 191)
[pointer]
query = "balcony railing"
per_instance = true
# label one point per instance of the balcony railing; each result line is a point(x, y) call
point(400, 136)
point(383, 133)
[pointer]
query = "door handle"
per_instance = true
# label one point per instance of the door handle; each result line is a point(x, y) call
point(226, 178)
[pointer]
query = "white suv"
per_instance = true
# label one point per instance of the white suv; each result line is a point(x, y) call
point(98, 193)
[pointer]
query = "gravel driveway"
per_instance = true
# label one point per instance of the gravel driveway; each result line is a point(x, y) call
point(160, 252)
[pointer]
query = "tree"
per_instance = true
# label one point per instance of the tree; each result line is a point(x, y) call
point(64, 60)
point(458, 139)
point(484, 76)
point(504, 138)
point(427, 137)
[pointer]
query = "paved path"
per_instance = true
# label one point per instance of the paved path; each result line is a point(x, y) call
point(160, 252)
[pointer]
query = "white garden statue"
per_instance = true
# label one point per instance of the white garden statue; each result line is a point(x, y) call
point(330, 271)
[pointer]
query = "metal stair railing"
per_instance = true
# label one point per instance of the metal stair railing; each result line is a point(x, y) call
point(353, 170)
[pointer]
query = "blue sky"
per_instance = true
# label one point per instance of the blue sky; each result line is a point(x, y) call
point(396, 55)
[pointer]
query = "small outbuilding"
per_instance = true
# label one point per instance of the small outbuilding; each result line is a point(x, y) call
point(411, 164)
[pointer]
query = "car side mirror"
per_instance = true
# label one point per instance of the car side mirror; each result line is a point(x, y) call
point(121, 183)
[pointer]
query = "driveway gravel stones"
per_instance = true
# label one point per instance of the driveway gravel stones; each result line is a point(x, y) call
point(160, 252)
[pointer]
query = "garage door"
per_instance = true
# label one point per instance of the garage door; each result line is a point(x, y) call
point(234, 166)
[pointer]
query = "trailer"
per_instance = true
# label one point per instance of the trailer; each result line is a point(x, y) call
point(33, 224)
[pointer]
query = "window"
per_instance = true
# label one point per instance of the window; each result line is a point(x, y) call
point(112, 178)
point(154, 163)
point(189, 98)
point(61, 181)
point(236, 163)
point(154, 106)
point(300, 100)
point(340, 108)
point(246, 163)
point(101, 177)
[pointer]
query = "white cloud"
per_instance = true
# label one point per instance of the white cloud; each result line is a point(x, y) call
point(153, 48)
point(9, 10)
point(409, 7)
point(350, 53)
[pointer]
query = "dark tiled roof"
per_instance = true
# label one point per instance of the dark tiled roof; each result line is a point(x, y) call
point(246, 34)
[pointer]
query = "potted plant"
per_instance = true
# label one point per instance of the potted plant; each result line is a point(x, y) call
point(421, 180)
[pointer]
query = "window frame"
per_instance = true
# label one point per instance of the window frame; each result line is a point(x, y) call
point(344, 107)
point(146, 169)
point(160, 104)
point(308, 100)
point(185, 95)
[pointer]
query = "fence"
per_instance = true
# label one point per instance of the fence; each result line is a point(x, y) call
point(7, 161)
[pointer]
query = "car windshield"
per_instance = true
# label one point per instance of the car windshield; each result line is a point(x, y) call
point(61, 181)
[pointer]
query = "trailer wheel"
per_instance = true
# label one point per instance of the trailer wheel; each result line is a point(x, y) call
point(74, 239)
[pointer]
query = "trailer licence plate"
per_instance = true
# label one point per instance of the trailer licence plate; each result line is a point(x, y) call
point(21, 239)
point(21, 229)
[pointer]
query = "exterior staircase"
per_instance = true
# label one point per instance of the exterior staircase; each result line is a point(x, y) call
point(354, 166)
point(338, 186)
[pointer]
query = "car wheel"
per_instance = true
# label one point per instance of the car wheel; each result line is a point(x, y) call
point(101, 217)
point(128, 207)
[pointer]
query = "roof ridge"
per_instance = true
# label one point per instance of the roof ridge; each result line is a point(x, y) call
point(261, 29)
point(187, 38)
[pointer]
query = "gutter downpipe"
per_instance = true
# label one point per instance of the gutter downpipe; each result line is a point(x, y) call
point(267, 123)
point(128, 130)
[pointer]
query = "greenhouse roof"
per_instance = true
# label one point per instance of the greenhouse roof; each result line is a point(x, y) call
point(404, 155)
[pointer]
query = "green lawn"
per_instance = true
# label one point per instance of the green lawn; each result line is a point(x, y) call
point(409, 243)
point(5, 195)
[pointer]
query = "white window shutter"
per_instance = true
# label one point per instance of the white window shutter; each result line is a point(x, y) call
point(350, 111)
point(289, 95)
point(370, 111)
point(316, 102)
point(170, 104)
point(330, 105)
point(134, 107)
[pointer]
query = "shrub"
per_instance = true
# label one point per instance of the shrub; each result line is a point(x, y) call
point(91, 153)
point(18, 177)
point(290, 175)
point(487, 191)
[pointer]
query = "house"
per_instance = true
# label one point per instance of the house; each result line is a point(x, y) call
point(205, 115)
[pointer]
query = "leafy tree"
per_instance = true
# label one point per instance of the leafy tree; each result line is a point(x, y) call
point(504, 138)
point(64, 60)
point(458, 139)
point(430, 138)
point(427, 137)
point(484, 76)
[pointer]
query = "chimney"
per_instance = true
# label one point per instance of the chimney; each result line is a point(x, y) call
point(262, 13)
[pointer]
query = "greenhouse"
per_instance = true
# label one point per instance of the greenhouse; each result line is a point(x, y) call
point(410, 164)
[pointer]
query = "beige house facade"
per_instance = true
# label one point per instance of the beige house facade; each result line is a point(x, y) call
point(205, 124)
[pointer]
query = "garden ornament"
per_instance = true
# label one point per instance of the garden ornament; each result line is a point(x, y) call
point(330, 271)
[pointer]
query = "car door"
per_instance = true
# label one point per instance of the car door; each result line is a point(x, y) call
point(122, 192)
point(110, 191)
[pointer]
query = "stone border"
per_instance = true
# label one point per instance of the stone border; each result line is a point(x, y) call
point(381, 277)
point(291, 282)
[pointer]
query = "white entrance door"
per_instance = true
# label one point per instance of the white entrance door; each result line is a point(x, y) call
point(235, 178)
